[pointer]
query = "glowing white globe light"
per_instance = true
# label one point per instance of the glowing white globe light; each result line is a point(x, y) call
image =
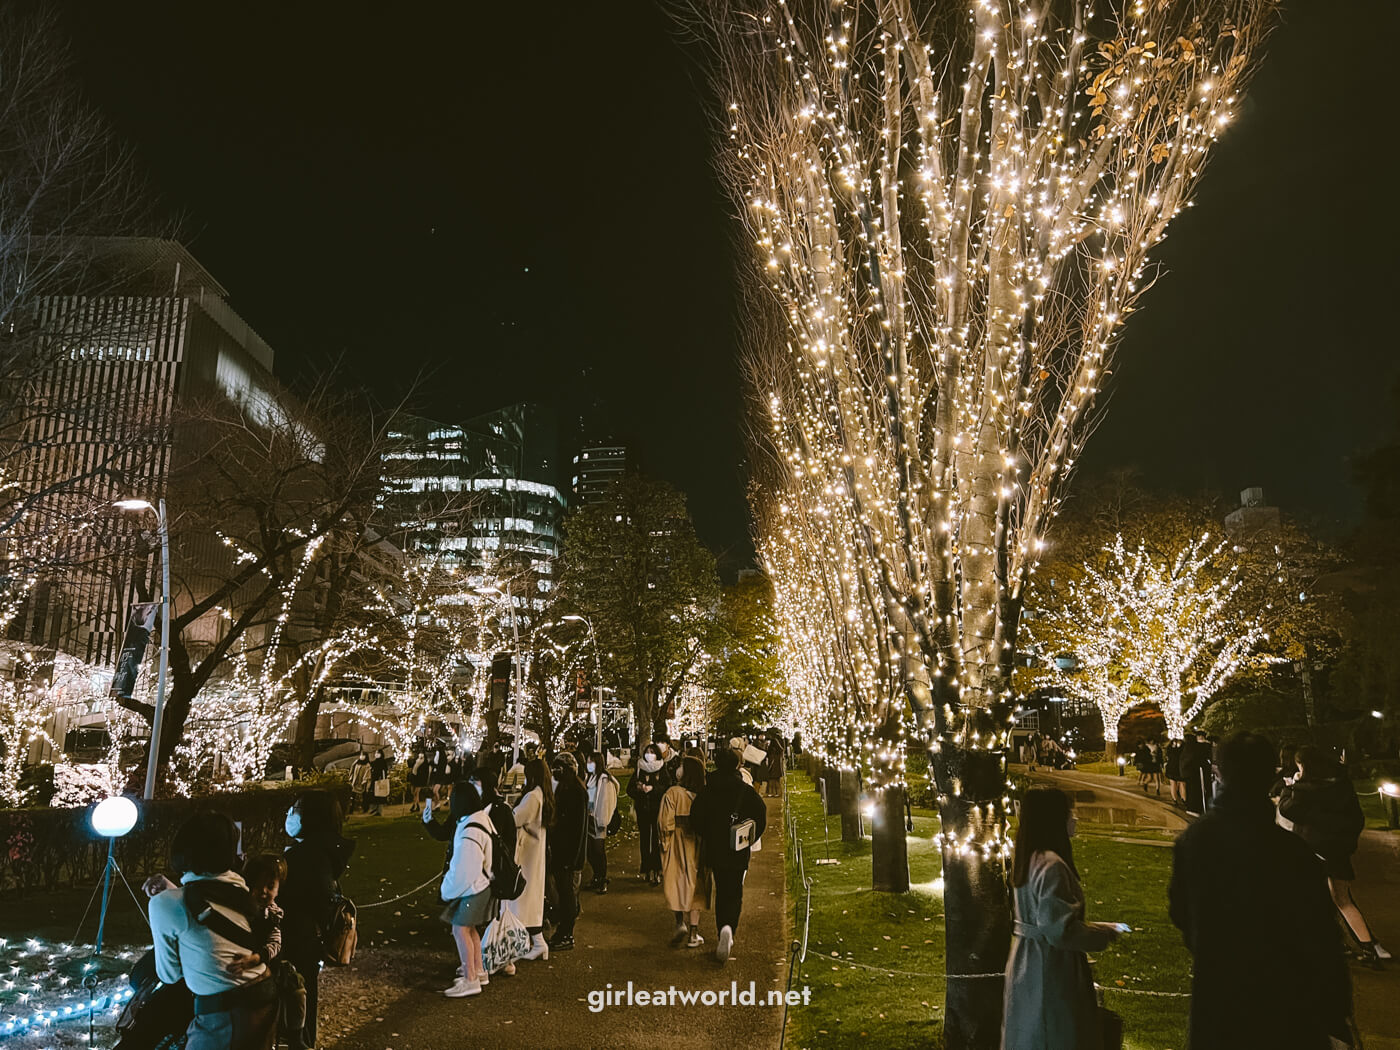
point(114, 817)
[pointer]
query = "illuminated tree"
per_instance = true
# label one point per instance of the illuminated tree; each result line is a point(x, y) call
point(634, 567)
point(953, 211)
point(1142, 630)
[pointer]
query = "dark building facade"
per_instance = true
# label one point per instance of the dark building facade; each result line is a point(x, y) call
point(160, 331)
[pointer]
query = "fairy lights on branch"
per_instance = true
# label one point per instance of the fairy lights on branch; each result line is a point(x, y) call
point(1170, 633)
point(953, 230)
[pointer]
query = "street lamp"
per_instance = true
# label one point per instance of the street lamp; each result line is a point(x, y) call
point(111, 818)
point(163, 528)
point(598, 670)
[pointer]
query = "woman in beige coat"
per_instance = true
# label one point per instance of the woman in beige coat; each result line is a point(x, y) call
point(686, 883)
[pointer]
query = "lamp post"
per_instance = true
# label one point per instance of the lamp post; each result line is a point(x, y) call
point(598, 670)
point(111, 818)
point(153, 758)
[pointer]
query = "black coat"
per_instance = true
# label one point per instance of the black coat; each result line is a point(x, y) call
point(723, 802)
point(314, 867)
point(570, 831)
point(1253, 907)
point(647, 804)
point(1325, 814)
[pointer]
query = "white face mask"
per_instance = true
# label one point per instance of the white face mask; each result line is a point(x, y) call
point(554, 782)
point(592, 768)
point(293, 824)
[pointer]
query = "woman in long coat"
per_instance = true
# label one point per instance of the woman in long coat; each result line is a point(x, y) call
point(1050, 1002)
point(533, 815)
point(684, 880)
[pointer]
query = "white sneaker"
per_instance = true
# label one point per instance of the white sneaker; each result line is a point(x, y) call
point(484, 979)
point(726, 942)
point(695, 940)
point(461, 988)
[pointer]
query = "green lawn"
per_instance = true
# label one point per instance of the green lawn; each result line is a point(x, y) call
point(901, 1006)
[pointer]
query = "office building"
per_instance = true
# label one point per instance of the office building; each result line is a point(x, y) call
point(159, 331)
point(596, 467)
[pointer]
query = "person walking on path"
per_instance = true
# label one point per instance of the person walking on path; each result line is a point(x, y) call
point(360, 780)
point(202, 931)
point(719, 809)
point(441, 774)
point(1252, 905)
point(418, 772)
point(567, 840)
point(1171, 765)
point(1321, 803)
point(467, 890)
point(379, 767)
point(602, 804)
point(1049, 999)
point(777, 765)
point(687, 884)
point(315, 861)
point(646, 789)
point(534, 813)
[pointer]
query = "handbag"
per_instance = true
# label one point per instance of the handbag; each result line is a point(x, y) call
point(381, 788)
point(1111, 1029)
point(741, 834)
point(505, 940)
point(341, 934)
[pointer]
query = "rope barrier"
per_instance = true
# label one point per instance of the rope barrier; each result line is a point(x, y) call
point(402, 896)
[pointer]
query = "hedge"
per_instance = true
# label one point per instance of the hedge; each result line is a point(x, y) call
point(50, 849)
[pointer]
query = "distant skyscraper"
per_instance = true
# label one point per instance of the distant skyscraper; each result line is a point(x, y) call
point(478, 488)
point(595, 468)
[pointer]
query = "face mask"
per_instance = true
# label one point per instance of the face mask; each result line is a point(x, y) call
point(554, 783)
point(293, 824)
point(592, 768)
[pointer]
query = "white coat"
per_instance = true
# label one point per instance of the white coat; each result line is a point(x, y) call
point(1050, 1002)
point(530, 855)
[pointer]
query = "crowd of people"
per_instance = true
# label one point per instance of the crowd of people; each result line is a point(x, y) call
point(240, 941)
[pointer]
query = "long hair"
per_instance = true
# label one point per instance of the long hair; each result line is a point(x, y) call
point(537, 776)
point(320, 814)
point(1317, 763)
point(692, 774)
point(464, 801)
point(1044, 828)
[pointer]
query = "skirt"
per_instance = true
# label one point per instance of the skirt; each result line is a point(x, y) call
point(471, 910)
point(1339, 868)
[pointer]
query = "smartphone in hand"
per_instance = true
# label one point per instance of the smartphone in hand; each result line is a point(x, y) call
point(427, 811)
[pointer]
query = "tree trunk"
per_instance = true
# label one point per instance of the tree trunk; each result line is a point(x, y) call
point(848, 791)
point(304, 742)
point(889, 849)
point(976, 902)
point(1110, 749)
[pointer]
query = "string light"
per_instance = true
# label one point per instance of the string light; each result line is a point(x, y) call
point(1168, 633)
point(953, 232)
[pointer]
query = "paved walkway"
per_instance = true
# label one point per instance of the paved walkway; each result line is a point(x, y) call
point(389, 999)
point(1376, 994)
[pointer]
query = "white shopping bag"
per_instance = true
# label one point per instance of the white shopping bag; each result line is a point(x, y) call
point(505, 940)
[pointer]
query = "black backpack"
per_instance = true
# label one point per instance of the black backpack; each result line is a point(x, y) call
point(507, 880)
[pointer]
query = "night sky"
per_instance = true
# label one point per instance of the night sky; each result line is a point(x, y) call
point(508, 201)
